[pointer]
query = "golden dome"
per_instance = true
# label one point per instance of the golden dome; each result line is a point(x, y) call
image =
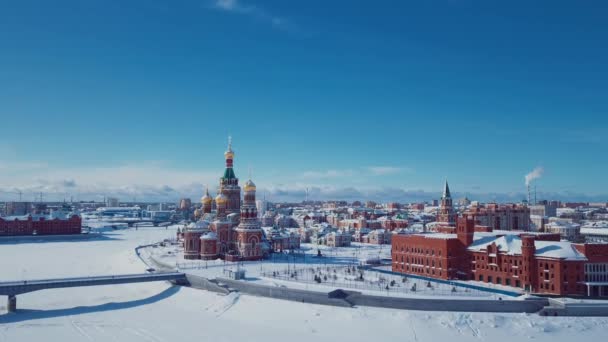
point(206, 199)
point(249, 186)
point(221, 199)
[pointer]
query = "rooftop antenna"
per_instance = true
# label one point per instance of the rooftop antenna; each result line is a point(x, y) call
point(535, 194)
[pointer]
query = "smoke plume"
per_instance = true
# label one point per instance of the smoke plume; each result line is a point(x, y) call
point(536, 173)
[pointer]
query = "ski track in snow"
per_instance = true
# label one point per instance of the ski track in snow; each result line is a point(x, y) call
point(79, 329)
point(220, 306)
point(413, 331)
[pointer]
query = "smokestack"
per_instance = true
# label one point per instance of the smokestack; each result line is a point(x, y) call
point(536, 173)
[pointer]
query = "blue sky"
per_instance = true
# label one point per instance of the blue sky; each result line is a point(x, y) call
point(352, 99)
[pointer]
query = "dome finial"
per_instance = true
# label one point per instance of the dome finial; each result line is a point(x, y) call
point(206, 198)
point(229, 154)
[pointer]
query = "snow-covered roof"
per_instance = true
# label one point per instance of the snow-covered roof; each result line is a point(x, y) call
point(594, 231)
point(511, 245)
point(595, 224)
point(209, 236)
point(443, 236)
point(562, 225)
point(198, 225)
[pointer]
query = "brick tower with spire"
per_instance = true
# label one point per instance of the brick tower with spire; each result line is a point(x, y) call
point(446, 210)
point(229, 184)
point(249, 231)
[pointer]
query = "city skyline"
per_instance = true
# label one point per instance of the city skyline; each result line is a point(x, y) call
point(351, 101)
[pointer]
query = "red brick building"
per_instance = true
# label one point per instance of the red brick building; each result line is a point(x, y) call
point(40, 225)
point(235, 227)
point(538, 263)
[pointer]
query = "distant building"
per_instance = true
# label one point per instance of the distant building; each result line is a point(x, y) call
point(338, 239)
point(501, 216)
point(595, 234)
point(262, 206)
point(567, 230)
point(39, 225)
point(112, 202)
point(283, 240)
point(393, 206)
point(548, 209)
point(17, 208)
point(378, 237)
point(537, 223)
point(463, 202)
point(371, 204)
point(185, 204)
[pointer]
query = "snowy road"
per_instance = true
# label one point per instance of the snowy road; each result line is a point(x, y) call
point(158, 312)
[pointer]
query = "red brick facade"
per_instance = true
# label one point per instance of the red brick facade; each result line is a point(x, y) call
point(42, 226)
point(446, 256)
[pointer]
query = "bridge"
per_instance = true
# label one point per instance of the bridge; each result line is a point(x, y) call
point(14, 288)
point(131, 221)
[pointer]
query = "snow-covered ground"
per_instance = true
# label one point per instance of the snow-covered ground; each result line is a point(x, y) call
point(159, 312)
point(336, 269)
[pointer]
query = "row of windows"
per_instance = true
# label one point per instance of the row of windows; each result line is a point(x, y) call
point(495, 268)
point(420, 270)
point(420, 261)
point(499, 281)
point(596, 268)
point(419, 250)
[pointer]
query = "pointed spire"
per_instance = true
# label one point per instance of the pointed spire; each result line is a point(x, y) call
point(446, 190)
point(229, 155)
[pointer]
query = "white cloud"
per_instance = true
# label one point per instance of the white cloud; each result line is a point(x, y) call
point(360, 172)
point(255, 12)
point(387, 170)
point(228, 5)
point(327, 174)
point(153, 180)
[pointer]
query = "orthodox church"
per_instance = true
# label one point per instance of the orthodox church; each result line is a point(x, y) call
point(232, 232)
